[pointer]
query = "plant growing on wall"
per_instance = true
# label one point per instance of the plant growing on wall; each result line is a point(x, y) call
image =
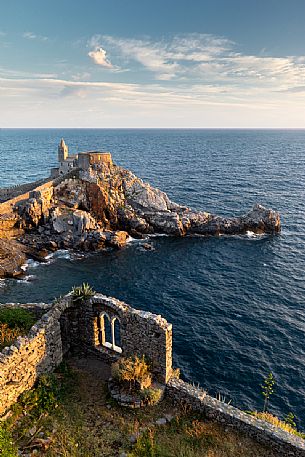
point(267, 390)
point(290, 420)
point(81, 293)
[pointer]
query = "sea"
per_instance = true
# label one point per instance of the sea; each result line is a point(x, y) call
point(237, 303)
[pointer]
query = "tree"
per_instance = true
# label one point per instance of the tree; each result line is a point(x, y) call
point(267, 390)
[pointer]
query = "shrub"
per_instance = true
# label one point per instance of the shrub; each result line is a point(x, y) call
point(17, 318)
point(145, 446)
point(44, 397)
point(151, 395)
point(83, 292)
point(132, 370)
point(7, 448)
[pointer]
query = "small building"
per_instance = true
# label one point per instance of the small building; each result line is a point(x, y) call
point(82, 160)
point(87, 159)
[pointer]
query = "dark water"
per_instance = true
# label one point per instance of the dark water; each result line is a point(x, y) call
point(236, 304)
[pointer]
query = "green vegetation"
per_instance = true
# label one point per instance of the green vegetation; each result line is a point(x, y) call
point(288, 424)
point(289, 419)
point(267, 390)
point(134, 371)
point(14, 322)
point(71, 414)
point(17, 318)
point(81, 293)
point(7, 447)
point(284, 425)
point(44, 398)
point(188, 435)
point(151, 395)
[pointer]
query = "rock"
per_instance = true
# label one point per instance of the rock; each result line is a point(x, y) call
point(147, 247)
point(33, 430)
point(169, 417)
point(53, 246)
point(161, 421)
point(102, 207)
point(82, 222)
point(12, 257)
point(133, 438)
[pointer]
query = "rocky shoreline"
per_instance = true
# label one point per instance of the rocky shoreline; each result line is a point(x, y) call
point(88, 210)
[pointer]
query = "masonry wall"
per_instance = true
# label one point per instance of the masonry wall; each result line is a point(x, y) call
point(8, 193)
point(141, 333)
point(39, 352)
point(282, 443)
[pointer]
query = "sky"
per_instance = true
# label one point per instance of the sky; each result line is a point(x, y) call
point(152, 63)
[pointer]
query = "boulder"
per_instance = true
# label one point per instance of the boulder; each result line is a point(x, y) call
point(12, 257)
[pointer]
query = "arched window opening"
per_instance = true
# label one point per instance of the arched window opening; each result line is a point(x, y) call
point(105, 336)
point(116, 335)
point(109, 332)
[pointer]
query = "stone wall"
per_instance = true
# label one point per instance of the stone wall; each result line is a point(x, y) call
point(37, 353)
point(282, 443)
point(8, 193)
point(141, 333)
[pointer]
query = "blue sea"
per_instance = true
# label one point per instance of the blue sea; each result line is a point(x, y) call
point(237, 304)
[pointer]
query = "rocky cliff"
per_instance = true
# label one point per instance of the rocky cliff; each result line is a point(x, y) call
point(102, 207)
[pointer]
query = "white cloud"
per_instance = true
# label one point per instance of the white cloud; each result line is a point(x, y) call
point(207, 59)
point(99, 57)
point(33, 36)
point(62, 102)
point(189, 80)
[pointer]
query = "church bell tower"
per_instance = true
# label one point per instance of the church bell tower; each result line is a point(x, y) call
point(62, 151)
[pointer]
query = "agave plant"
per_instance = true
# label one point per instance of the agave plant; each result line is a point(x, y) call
point(83, 292)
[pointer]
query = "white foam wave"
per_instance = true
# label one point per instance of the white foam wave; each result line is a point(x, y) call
point(28, 278)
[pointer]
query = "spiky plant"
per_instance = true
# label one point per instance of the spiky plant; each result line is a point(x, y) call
point(81, 293)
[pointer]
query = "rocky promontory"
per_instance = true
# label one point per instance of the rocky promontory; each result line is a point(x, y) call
point(103, 206)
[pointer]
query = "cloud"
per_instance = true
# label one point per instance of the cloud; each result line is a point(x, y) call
point(99, 57)
point(62, 102)
point(33, 36)
point(169, 59)
point(184, 77)
point(207, 59)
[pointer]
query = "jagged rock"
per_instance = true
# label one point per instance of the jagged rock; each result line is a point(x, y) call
point(82, 222)
point(12, 257)
point(102, 207)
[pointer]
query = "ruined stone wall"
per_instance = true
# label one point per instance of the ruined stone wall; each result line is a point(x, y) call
point(283, 443)
point(37, 353)
point(141, 333)
point(73, 327)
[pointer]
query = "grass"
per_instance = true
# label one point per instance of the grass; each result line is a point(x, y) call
point(14, 322)
point(70, 414)
point(267, 417)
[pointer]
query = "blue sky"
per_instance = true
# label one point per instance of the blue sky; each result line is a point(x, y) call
point(195, 63)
